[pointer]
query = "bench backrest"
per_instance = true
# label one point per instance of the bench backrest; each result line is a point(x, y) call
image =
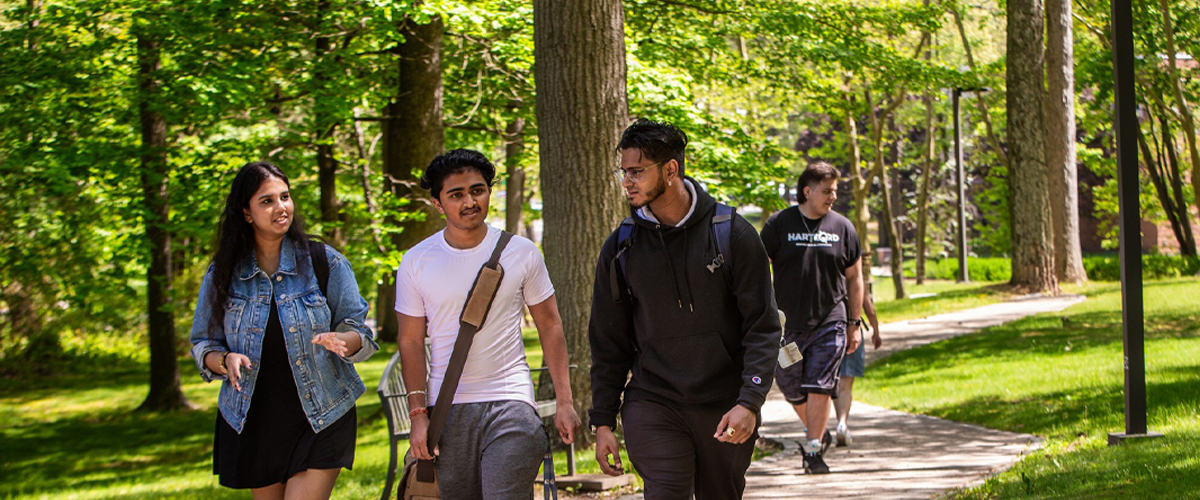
point(394, 397)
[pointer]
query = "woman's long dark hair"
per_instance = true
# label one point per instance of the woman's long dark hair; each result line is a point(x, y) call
point(235, 236)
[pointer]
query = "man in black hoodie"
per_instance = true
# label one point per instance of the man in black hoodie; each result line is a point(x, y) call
point(701, 341)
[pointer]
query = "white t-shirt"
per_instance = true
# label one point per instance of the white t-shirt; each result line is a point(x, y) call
point(433, 281)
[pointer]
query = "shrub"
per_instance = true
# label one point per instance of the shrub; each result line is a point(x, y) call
point(1154, 266)
point(980, 268)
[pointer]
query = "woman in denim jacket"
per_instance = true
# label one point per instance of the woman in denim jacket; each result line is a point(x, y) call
point(283, 350)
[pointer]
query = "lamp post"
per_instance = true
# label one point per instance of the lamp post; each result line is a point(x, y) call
point(1129, 218)
point(963, 274)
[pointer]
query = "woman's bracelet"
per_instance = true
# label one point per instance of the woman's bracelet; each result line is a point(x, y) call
point(418, 391)
point(417, 411)
point(224, 369)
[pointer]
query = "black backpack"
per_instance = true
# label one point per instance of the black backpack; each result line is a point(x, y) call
point(320, 265)
point(722, 222)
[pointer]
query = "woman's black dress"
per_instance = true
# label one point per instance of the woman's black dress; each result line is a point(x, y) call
point(277, 441)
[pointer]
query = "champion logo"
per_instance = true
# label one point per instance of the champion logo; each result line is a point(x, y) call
point(756, 380)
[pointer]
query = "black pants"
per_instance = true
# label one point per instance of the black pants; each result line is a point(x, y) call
point(676, 454)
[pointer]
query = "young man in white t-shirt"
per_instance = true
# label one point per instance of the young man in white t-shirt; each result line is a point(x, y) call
point(493, 442)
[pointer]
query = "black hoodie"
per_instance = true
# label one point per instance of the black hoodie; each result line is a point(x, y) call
point(692, 337)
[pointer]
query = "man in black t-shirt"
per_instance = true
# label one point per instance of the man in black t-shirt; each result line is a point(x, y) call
point(815, 254)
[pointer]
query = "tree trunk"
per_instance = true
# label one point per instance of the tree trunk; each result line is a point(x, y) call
point(889, 222)
point(331, 226)
point(579, 47)
point(413, 136)
point(1032, 242)
point(1182, 106)
point(165, 392)
point(923, 197)
point(364, 179)
point(1154, 166)
point(1060, 142)
point(25, 319)
point(1163, 168)
point(34, 7)
point(514, 146)
point(860, 188)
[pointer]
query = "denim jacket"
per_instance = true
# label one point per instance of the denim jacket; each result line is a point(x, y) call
point(327, 384)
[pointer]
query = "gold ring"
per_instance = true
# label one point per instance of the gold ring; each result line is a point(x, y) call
point(730, 431)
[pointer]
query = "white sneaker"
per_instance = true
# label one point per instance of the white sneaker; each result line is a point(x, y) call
point(843, 435)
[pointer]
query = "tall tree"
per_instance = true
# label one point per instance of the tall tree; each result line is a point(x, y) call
point(1032, 242)
point(1060, 141)
point(981, 99)
point(514, 146)
point(579, 48)
point(890, 223)
point(413, 135)
point(325, 126)
point(923, 196)
point(860, 184)
point(1187, 120)
point(165, 392)
point(1162, 163)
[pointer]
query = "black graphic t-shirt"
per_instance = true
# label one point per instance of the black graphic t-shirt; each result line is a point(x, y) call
point(809, 258)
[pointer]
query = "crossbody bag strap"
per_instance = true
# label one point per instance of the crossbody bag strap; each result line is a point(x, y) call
point(479, 301)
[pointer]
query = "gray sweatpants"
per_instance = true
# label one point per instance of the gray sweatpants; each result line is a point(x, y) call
point(490, 451)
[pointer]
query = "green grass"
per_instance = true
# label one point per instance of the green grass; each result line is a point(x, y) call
point(70, 430)
point(1063, 381)
point(76, 436)
point(73, 434)
point(950, 297)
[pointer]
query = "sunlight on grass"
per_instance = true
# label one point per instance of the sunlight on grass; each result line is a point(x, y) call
point(76, 436)
point(949, 297)
point(73, 433)
point(1060, 376)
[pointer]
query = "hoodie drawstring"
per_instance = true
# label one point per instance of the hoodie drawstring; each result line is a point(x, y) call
point(670, 265)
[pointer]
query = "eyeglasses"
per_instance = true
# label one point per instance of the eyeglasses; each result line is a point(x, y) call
point(634, 174)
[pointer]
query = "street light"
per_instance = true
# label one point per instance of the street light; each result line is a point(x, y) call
point(963, 275)
point(1133, 320)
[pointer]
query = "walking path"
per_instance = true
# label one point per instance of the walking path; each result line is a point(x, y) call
point(897, 455)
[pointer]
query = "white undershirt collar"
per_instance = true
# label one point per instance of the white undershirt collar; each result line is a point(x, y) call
point(645, 213)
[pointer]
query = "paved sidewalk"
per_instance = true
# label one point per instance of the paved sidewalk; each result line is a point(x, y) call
point(897, 455)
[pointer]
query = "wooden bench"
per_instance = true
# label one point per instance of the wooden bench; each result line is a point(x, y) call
point(394, 398)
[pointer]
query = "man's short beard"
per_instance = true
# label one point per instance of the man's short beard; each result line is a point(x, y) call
point(659, 188)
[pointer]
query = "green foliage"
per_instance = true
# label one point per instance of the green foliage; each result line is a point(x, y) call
point(1154, 266)
point(995, 224)
point(979, 268)
point(1059, 376)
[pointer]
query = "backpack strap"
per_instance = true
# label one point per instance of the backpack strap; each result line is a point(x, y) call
point(320, 265)
point(722, 231)
point(624, 241)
